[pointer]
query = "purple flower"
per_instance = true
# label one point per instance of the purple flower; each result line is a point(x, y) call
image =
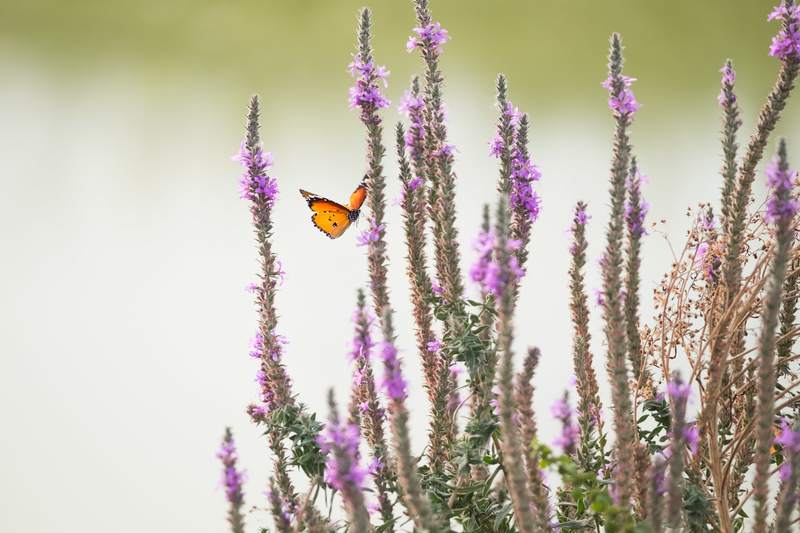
point(487, 271)
point(635, 214)
point(726, 96)
point(374, 466)
point(581, 217)
point(361, 345)
point(691, 435)
point(677, 390)
point(372, 234)
point(621, 99)
point(496, 146)
point(707, 222)
point(436, 289)
point(568, 437)
point(560, 409)
point(415, 183)
point(599, 298)
point(780, 206)
point(484, 245)
point(232, 478)
point(785, 471)
point(523, 174)
point(434, 346)
point(432, 36)
point(788, 438)
point(339, 443)
point(787, 42)
point(393, 382)
point(366, 93)
point(410, 104)
point(255, 184)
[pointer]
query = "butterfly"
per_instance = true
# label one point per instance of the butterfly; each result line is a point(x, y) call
point(332, 218)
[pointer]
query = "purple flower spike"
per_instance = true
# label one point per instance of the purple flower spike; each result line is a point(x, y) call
point(621, 99)
point(677, 390)
point(691, 435)
point(570, 432)
point(432, 36)
point(780, 206)
point(726, 96)
point(787, 42)
point(523, 174)
point(371, 234)
point(789, 439)
point(366, 93)
point(342, 440)
point(255, 183)
point(393, 382)
point(232, 478)
point(635, 215)
point(362, 343)
point(484, 244)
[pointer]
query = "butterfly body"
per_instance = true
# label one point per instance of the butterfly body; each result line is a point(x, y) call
point(333, 218)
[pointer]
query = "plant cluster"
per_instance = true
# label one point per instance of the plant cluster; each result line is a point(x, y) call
point(702, 430)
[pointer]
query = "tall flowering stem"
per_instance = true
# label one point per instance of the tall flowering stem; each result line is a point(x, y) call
point(413, 207)
point(372, 413)
point(781, 209)
point(789, 440)
point(342, 469)
point(624, 105)
point(731, 122)
point(678, 392)
point(787, 12)
point(428, 38)
point(791, 291)
point(517, 171)
point(232, 479)
point(527, 422)
point(588, 404)
point(366, 96)
point(261, 191)
point(277, 507)
point(635, 212)
point(510, 442)
point(655, 494)
point(395, 387)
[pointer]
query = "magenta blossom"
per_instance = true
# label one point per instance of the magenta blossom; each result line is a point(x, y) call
point(691, 435)
point(635, 215)
point(372, 234)
point(432, 36)
point(484, 245)
point(787, 42)
point(622, 99)
point(393, 382)
point(570, 432)
point(788, 438)
point(677, 390)
point(780, 206)
point(726, 96)
point(339, 443)
point(366, 93)
point(255, 184)
point(494, 280)
point(232, 478)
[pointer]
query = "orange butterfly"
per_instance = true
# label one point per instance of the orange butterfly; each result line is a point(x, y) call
point(332, 218)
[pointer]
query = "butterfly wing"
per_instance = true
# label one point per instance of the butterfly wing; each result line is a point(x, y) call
point(329, 217)
point(358, 197)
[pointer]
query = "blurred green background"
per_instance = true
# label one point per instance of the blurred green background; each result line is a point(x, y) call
point(125, 328)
